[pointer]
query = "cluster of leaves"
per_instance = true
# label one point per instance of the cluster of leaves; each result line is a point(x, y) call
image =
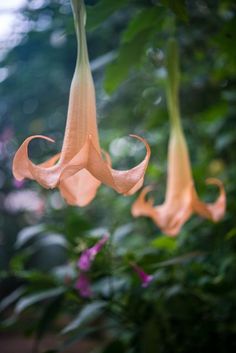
point(191, 301)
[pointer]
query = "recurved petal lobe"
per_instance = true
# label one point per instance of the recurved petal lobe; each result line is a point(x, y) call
point(45, 173)
point(214, 211)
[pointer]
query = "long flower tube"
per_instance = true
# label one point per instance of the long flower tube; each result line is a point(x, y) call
point(81, 166)
point(181, 198)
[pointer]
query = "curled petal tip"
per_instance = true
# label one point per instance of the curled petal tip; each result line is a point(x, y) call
point(147, 189)
point(142, 207)
point(124, 182)
point(23, 167)
point(214, 211)
point(219, 206)
point(39, 137)
point(214, 181)
point(144, 193)
point(144, 141)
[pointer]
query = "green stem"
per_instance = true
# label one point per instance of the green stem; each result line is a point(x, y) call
point(172, 86)
point(79, 13)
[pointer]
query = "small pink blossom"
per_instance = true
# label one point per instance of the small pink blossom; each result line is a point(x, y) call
point(88, 255)
point(143, 276)
point(83, 285)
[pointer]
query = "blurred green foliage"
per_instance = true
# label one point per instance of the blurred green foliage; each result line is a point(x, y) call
point(191, 303)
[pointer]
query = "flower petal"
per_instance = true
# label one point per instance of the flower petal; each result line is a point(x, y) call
point(45, 173)
point(51, 161)
point(88, 255)
point(124, 182)
point(85, 260)
point(79, 189)
point(83, 285)
point(143, 207)
point(213, 211)
point(170, 216)
point(144, 277)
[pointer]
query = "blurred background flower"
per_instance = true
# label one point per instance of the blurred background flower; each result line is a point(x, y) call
point(24, 200)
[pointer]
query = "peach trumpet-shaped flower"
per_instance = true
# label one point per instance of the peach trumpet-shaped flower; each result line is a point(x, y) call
point(181, 198)
point(81, 166)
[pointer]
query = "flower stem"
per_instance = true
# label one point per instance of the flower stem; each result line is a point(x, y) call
point(79, 13)
point(172, 85)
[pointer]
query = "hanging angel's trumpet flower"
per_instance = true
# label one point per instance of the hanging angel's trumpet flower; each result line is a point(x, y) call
point(181, 197)
point(80, 168)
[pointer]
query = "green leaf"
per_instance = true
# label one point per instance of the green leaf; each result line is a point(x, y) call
point(165, 243)
point(17, 262)
point(147, 18)
point(88, 313)
point(225, 40)
point(27, 234)
point(52, 239)
point(38, 278)
point(101, 11)
point(78, 336)
point(107, 286)
point(178, 7)
point(29, 300)
point(11, 298)
point(134, 42)
point(181, 259)
point(129, 57)
point(231, 234)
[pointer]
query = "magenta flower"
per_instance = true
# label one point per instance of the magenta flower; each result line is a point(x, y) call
point(83, 285)
point(88, 255)
point(18, 184)
point(143, 276)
